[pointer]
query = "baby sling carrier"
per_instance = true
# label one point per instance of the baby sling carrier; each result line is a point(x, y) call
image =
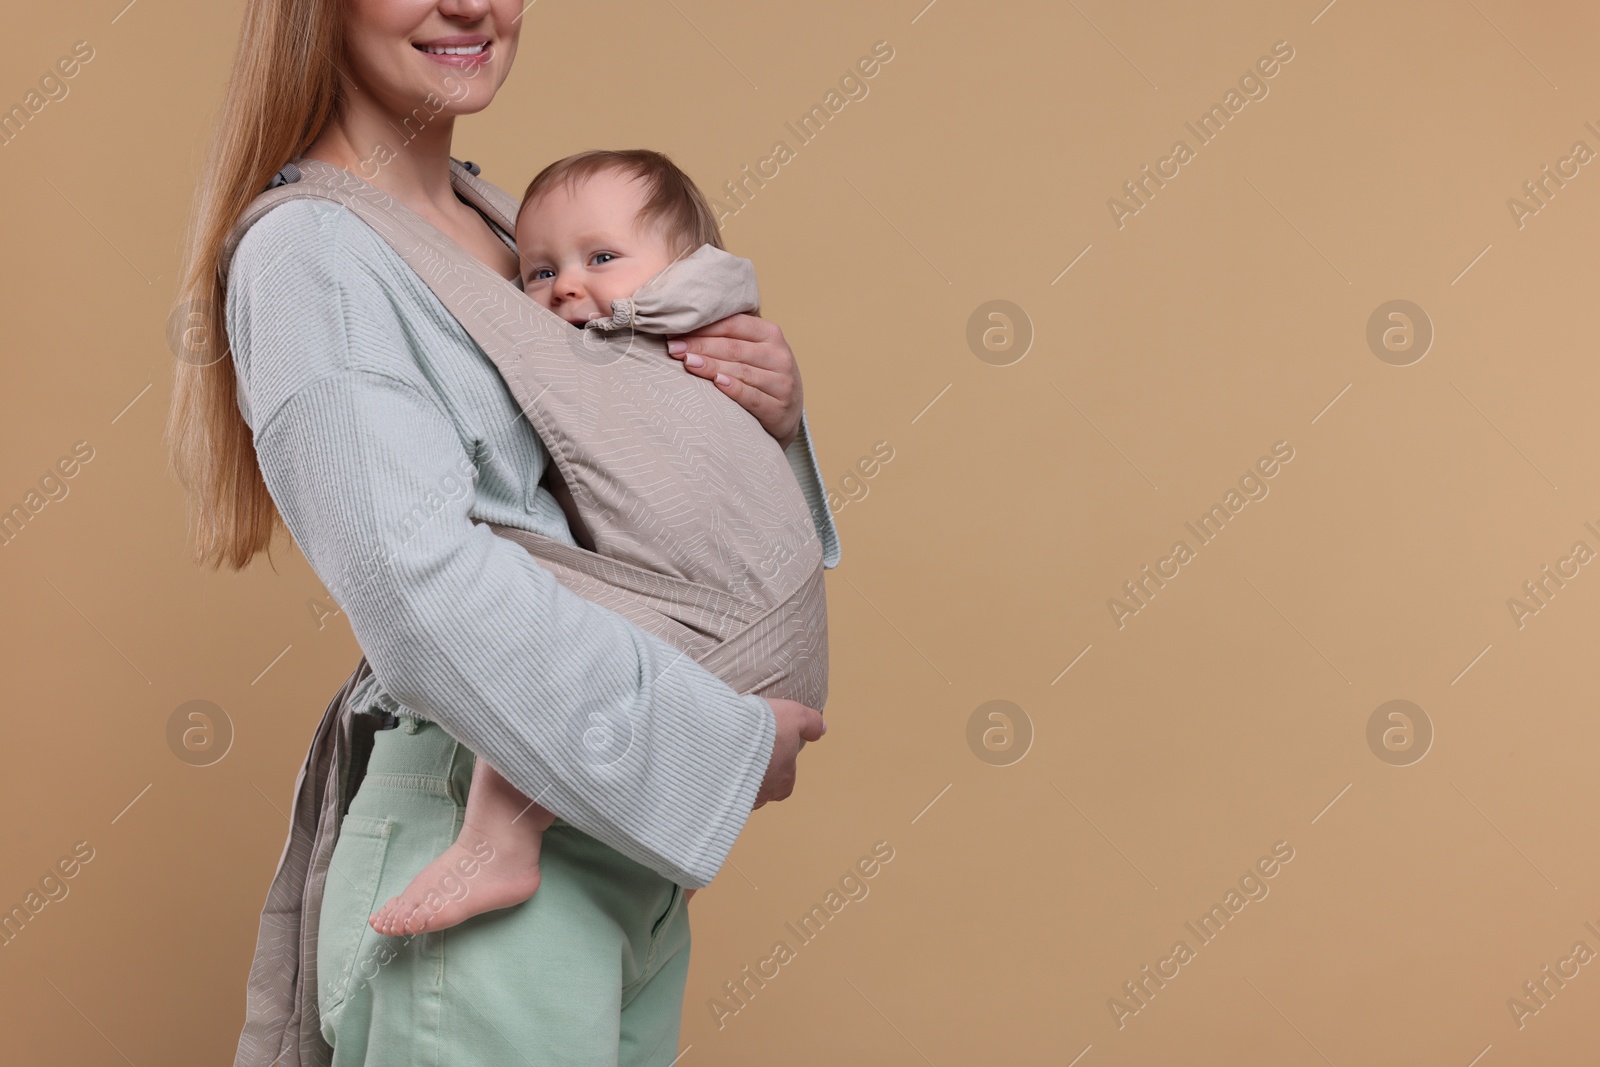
point(719, 558)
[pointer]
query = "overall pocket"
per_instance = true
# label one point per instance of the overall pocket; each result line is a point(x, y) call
point(673, 904)
point(348, 898)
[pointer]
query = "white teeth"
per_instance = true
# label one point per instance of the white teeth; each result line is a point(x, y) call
point(455, 50)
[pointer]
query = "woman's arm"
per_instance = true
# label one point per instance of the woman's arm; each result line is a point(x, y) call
point(366, 467)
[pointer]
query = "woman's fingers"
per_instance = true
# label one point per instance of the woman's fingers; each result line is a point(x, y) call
point(753, 389)
point(757, 355)
point(767, 410)
point(749, 360)
point(742, 337)
point(794, 724)
point(812, 727)
point(778, 417)
point(773, 383)
point(737, 376)
point(753, 347)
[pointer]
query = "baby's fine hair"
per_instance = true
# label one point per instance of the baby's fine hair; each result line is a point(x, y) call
point(673, 203)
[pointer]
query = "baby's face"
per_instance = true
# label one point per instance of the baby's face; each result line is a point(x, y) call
point(582, 249)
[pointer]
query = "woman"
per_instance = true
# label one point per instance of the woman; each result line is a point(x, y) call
point(354, 403)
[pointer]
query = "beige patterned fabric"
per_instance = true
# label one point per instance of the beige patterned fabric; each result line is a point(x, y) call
point(720, 558)
point(706, 285)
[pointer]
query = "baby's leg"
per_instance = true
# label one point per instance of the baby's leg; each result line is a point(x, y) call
point(494, 863)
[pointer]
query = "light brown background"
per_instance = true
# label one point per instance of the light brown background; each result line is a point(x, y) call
point(1225, 717)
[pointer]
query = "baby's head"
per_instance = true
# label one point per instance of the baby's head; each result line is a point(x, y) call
point(596, 226)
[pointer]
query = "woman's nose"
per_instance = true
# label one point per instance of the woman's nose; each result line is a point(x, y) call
point(469, 10)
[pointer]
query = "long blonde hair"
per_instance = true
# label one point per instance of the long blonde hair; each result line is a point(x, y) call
point(284, 88)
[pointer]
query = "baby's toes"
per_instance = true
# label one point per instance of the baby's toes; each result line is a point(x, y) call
point(395, 915)
point(417, 921)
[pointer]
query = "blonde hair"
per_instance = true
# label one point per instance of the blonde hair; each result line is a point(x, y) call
point(284, 88)
point(673, 203)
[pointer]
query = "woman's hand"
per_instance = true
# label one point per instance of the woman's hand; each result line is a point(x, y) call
point(797, 724)
point(750, 361)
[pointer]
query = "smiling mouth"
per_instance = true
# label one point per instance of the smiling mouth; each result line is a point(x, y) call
point(454, 50)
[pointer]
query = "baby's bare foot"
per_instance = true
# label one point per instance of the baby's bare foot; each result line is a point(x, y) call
point(474, 875)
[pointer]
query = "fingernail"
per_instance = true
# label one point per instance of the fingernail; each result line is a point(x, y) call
point(693, 360)
point(676, 346)
point(723, 379)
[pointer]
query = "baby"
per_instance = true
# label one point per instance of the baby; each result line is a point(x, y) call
point(593, 229)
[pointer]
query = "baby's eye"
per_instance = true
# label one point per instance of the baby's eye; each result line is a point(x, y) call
point(541, 274)
point(603, 257)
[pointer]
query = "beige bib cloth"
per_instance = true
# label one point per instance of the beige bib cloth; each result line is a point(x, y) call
point(702, 534)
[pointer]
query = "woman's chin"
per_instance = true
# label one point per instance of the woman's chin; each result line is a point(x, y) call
point(452, 91)
point(428, 105)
